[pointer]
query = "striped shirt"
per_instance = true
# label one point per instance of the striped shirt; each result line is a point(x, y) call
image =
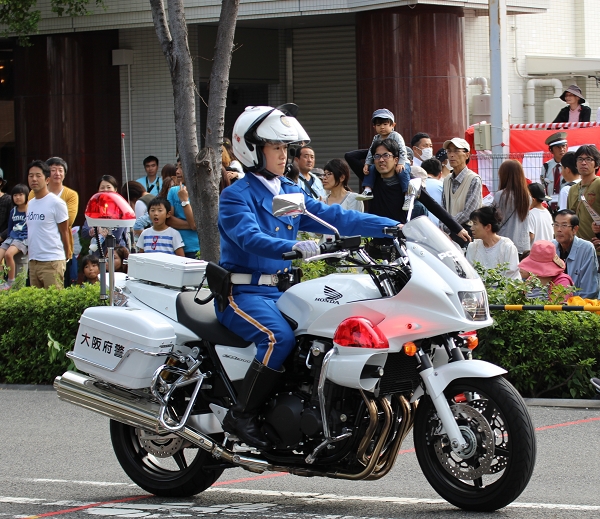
point(167, 241)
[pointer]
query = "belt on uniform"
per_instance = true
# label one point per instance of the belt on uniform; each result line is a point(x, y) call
point(246, 279)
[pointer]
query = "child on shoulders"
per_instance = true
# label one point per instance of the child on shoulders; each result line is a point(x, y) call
point(160, 237)
point(17, 233)
point(384, 123)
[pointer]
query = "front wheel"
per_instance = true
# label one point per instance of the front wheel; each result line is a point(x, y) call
point(164, 465)
point(499, 461)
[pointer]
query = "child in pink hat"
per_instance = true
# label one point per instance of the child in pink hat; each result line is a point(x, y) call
point(544, 263)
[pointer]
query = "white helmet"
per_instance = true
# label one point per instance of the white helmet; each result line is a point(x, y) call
point(260, 125)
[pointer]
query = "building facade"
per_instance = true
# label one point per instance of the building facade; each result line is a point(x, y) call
point(426, 60)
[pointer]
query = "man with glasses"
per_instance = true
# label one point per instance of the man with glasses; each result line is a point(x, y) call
point(587, 159)
point(462, 189)
point(388, 196)
point(579, 255)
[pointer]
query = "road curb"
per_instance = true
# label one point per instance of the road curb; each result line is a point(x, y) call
point(562, 402)
point(27, 387)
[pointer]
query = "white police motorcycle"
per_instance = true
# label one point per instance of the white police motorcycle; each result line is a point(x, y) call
point(379, 352)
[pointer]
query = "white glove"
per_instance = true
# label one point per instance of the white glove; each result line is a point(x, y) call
point(308, 248)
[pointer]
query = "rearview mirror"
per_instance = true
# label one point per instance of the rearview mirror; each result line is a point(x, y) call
point(291, 204)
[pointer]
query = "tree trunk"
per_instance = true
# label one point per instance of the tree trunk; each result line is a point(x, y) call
point(202, 171)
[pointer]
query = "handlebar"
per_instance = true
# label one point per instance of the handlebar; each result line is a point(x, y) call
point(292, 255)
point(345, 242)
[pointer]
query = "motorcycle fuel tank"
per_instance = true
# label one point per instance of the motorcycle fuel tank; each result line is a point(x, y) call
point(306, 301)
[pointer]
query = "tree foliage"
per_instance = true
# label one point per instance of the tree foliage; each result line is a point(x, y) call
point(21, 18)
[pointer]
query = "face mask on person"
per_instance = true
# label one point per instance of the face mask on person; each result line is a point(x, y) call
point(426, 153)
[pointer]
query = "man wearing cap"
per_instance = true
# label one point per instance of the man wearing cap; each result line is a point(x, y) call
point(462, 189)
point(550, 176)
point(5, 207)
point(579, 255)
point(442, 156)
point(575, 112)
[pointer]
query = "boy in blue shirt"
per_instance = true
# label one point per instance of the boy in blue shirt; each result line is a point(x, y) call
point(160, 237)
point(384, 124)
point(17, 233)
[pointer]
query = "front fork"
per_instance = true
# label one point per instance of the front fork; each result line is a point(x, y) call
point(427, 372)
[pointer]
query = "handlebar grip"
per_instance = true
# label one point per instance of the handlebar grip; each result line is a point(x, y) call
point(292, 255)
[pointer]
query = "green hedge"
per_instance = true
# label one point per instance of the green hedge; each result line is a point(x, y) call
point(27, 316)
point(546, 354)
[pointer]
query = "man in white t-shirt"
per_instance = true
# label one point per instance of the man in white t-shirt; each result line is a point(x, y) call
point(48, 230)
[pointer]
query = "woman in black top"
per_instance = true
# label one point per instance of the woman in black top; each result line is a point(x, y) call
point(574, 98)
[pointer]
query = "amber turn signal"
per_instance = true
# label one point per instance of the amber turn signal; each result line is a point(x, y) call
point(410, 348)
point(472, 342)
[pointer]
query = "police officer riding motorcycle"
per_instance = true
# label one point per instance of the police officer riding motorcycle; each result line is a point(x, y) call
point(252, 244)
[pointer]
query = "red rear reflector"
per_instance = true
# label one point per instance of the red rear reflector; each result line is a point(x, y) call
point(359, 332)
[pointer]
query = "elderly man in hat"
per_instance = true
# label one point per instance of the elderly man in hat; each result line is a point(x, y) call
point(575, 112)
point(550, 176)
point(5, 207)
point(462, 189)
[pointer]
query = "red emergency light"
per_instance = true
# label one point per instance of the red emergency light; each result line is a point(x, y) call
point(108, 209)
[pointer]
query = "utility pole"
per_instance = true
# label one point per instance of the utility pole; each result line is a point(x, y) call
point(499, 83)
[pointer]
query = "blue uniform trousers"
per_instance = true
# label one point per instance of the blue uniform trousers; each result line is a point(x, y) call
point(252, 314)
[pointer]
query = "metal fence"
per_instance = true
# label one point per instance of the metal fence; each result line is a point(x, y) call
point(483, 162)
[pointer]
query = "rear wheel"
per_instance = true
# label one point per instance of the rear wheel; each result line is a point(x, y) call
point(165, 465)
point(502, 447)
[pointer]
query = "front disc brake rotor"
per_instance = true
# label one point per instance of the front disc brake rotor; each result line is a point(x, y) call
point(477, 459)
point(159, 445)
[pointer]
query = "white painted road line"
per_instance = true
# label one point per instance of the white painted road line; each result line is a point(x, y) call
point(313, 497)
point(307, 497)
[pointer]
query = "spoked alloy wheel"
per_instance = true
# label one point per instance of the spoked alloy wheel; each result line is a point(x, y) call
point(499, 462)
point(164, 465)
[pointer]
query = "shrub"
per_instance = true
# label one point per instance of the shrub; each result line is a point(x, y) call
point(27, 317)
point(549, 354)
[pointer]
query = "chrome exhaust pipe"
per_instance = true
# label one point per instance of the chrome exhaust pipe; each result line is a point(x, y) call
point(127, 408)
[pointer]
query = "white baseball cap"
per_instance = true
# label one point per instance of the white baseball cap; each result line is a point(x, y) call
point(459, 143)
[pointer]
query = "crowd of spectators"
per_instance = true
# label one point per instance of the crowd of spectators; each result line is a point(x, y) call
point(516, 231)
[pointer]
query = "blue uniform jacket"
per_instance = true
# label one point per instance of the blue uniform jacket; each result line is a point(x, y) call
point(253, 240)
point(582, 266)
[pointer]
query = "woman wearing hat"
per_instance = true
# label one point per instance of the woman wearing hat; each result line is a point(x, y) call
point(575, 112)
point(544, 263)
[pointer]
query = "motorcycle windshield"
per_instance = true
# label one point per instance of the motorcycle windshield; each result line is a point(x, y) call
point(422, 231)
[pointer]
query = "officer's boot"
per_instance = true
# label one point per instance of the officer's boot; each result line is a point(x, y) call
point(241, 419)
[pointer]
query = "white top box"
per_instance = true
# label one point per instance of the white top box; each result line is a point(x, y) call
point(166, 269)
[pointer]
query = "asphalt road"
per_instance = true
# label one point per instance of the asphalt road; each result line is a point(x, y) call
point(56, 461)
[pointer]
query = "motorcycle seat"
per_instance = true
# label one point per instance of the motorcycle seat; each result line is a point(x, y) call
point(202, 320)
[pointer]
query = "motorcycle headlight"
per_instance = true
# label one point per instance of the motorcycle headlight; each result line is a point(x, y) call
point(474, 304)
